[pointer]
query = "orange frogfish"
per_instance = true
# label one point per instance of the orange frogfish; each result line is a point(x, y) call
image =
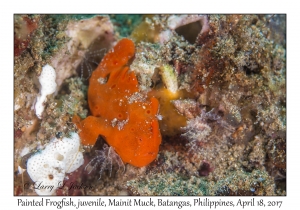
point(120, 112)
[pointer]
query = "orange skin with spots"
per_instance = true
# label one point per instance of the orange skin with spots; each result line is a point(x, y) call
point(131, 128)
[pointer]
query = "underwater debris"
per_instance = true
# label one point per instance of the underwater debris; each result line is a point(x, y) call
point(104, 160)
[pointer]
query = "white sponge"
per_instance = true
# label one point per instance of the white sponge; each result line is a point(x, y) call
point(48, 86)
point(47, 168)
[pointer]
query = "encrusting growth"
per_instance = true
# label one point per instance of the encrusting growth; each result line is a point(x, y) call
point(48, 86)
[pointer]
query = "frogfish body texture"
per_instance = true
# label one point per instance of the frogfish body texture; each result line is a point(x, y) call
point(119, 111)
